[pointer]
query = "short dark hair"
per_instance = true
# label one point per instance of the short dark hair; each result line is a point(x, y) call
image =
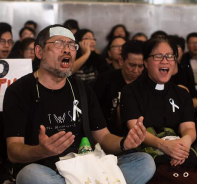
point(111, 33)
point(111, 41)
point(26, 28)
point(71, 24)
point(194, 34)
point(79, 34)
point(180, 41)
point(31, 22)
point(139, 34)
point(159, 33)
point(151, 44)
point(26, 42)
point(132, 46)
point(5, 27)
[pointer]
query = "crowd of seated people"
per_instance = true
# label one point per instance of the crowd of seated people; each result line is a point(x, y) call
point(131, 77)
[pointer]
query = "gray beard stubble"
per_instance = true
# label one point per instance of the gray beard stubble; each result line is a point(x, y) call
point(59, 73)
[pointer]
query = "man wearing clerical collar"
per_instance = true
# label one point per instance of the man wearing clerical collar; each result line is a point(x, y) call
point(161, 103)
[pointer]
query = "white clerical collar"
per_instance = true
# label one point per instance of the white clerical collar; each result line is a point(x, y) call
point(159, 87)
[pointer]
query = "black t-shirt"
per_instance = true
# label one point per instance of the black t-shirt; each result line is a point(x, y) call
point(182, 78)
point(140, 98)
point(3, 151)
point(108, 89)
point(91, 68)
point(55, 110)
point(107, 67)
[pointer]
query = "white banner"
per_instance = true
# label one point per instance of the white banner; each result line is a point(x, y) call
point(10, 71)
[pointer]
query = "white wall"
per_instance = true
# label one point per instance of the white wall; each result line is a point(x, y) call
point(100, 17)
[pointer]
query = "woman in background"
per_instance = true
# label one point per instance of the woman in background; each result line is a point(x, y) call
point(27, 48)
point(88, 63)
point(6, 40)
point(117, 30)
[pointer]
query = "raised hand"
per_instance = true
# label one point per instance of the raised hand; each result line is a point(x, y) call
point(54, 145)
point(85, 47)
point(136, 135)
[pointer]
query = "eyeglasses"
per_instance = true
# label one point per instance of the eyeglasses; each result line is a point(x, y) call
point(30, 50)
point(89, 39)
point(160, 57)
point(60, 44)
point(3, 42)
point(116, 47)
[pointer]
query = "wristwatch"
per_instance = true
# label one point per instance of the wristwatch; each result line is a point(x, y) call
point(122, 144)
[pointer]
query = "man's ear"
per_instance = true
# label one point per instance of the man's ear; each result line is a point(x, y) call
point(120, 60)
point(109, 54)
point(38, 51)
point(146, 64)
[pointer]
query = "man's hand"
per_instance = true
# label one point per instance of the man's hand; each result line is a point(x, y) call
point(54, 145)
point(177, 149)
point(175, 162)
point(136, 135)
point(186, 143)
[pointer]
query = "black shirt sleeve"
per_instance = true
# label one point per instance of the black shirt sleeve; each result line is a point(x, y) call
point(16, 106)
point(187, 112)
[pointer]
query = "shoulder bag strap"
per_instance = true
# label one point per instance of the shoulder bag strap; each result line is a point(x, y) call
point(84, 106)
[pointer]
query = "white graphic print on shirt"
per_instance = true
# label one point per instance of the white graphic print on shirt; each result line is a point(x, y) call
point(58, 121)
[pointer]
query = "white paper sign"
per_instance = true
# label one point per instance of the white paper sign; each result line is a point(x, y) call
point(10, 71)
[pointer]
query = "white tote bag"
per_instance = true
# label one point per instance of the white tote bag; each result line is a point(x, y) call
point(91, 168)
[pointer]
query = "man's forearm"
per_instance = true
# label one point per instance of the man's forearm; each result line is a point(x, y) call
point(189, 135)
point(21, 153)
point(79, 62)
point(152, 140)
point(111, 144)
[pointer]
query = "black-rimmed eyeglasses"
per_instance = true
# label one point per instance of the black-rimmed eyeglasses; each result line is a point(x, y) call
point(60, 44)
point(160, 57)
point(3, 42)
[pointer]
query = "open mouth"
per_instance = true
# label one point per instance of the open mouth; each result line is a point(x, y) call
point(65, 62)
point(5, 51)
point(164, 71)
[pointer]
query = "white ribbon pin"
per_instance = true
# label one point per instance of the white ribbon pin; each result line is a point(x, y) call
point(75, 108)
point(173, 105)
